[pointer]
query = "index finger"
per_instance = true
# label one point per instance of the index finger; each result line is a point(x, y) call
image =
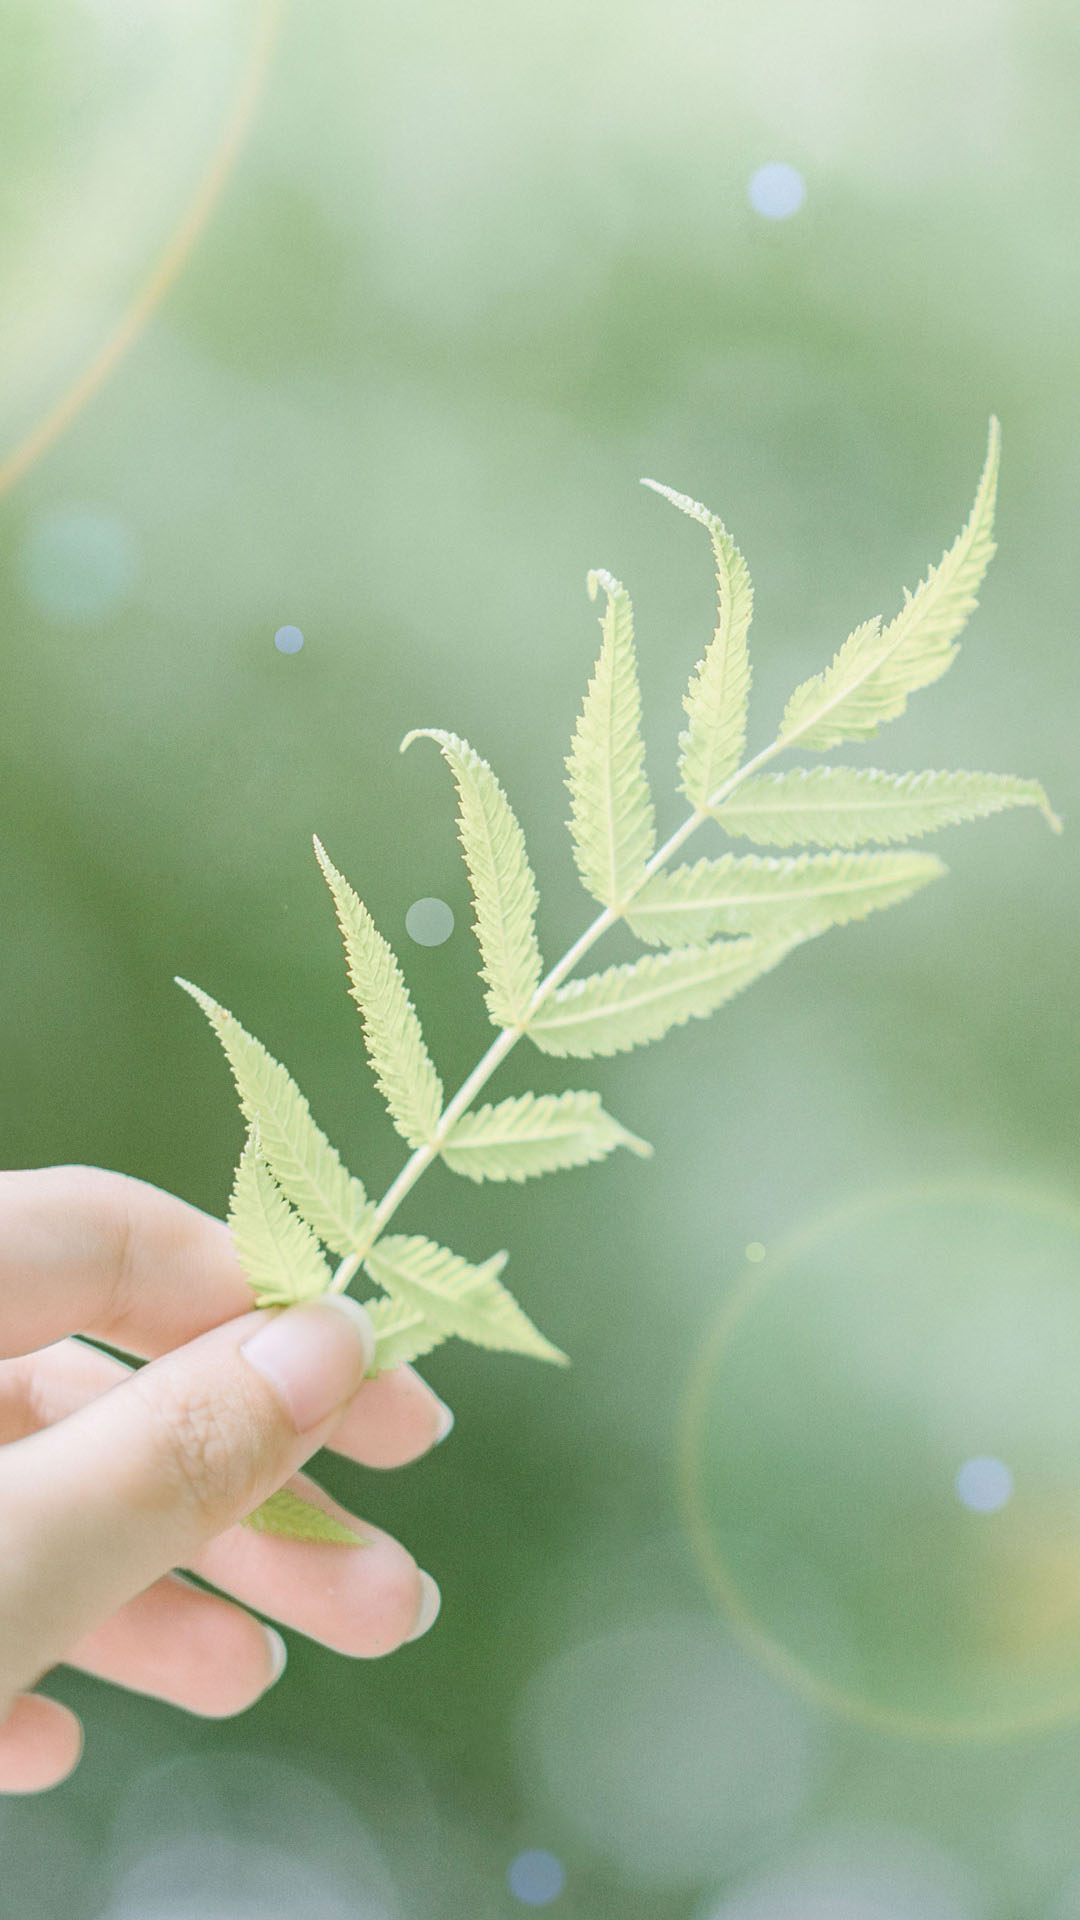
point(85, 1250)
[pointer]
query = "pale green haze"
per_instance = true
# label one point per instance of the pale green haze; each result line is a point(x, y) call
point(360, 326)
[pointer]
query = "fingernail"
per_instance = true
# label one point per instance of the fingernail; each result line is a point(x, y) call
point(446, 1421)
point(314, 1356)
point(279, 1654)
point(430, 1602)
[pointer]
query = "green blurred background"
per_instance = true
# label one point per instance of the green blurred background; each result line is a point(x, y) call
point(367, 320)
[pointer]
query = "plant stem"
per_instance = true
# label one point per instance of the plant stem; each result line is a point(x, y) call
point(508, 1037)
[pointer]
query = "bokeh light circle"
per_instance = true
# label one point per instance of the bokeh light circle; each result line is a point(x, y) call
point(288, 639)
point(983, 1484)
point(220, 1876)
point(666, 1751)
point(833, 1398)
point(858, 1870)
point(429, 922)
point(777, 190)
point(243, 1836)
point(536, 1877)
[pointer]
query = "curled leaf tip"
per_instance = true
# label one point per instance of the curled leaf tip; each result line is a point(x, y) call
point(1053, 820)
point(600, 577)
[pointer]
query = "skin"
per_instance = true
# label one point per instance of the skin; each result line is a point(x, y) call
point(111, 1478)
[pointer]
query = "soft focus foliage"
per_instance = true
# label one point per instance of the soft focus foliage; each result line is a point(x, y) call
point(388, 355)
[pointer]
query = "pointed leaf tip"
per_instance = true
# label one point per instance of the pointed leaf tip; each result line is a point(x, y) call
point(666, 492)
point(417, 733)
point(202, 999)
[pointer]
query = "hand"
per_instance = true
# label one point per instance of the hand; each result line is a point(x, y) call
point(110, 1477)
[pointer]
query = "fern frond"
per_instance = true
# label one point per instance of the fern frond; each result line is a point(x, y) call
point(401, 1333)
point(718, 696)
point(277, 1250)
point(402, 1065)
point(289, 1517)
point(755, 895)
point(504, 890)
point(534, 1134)
point(304, 1164)
point(611, 807)
point(455, 1296)
point(848, 806)
point(876, 668)
point(624, 1006)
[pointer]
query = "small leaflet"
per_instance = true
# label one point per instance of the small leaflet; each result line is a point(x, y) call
point(611, 820)
point(304, 1164)
point(401, 1063)
point(289, 1517)
point(276, 1248)
point(504, 890)
point(456, 1296)
point(848, 806)
point(718, 696)
point(533, 1134)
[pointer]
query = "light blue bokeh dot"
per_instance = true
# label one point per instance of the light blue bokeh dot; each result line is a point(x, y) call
point(288, 639)
point(984, 1484)
point(429, 922)
point(536, 1877)
point(777, 190)
point(78, 564)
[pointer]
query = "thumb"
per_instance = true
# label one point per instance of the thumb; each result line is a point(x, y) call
point(95, 1508)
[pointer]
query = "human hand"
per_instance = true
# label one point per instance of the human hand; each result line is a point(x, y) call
point(111, 1477)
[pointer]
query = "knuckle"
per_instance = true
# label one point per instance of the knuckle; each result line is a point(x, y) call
point(204, 1448)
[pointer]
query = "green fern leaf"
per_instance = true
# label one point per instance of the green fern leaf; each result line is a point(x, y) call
point(304, 1164)
point(504, 890)
point(613, 1011)
point(716, 702)
point(289, 1517)
point(847, 806)
point(277, 1250)
point(401, 1062)
point(534, 1134)
point(401, 1333)
point(456, 1297)
point(755, 895)
point(611, 808)
point(877, 667)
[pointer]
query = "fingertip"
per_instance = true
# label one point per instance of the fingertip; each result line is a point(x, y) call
point(394, 1419)
point(41, 1744)
point(279, 1656)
